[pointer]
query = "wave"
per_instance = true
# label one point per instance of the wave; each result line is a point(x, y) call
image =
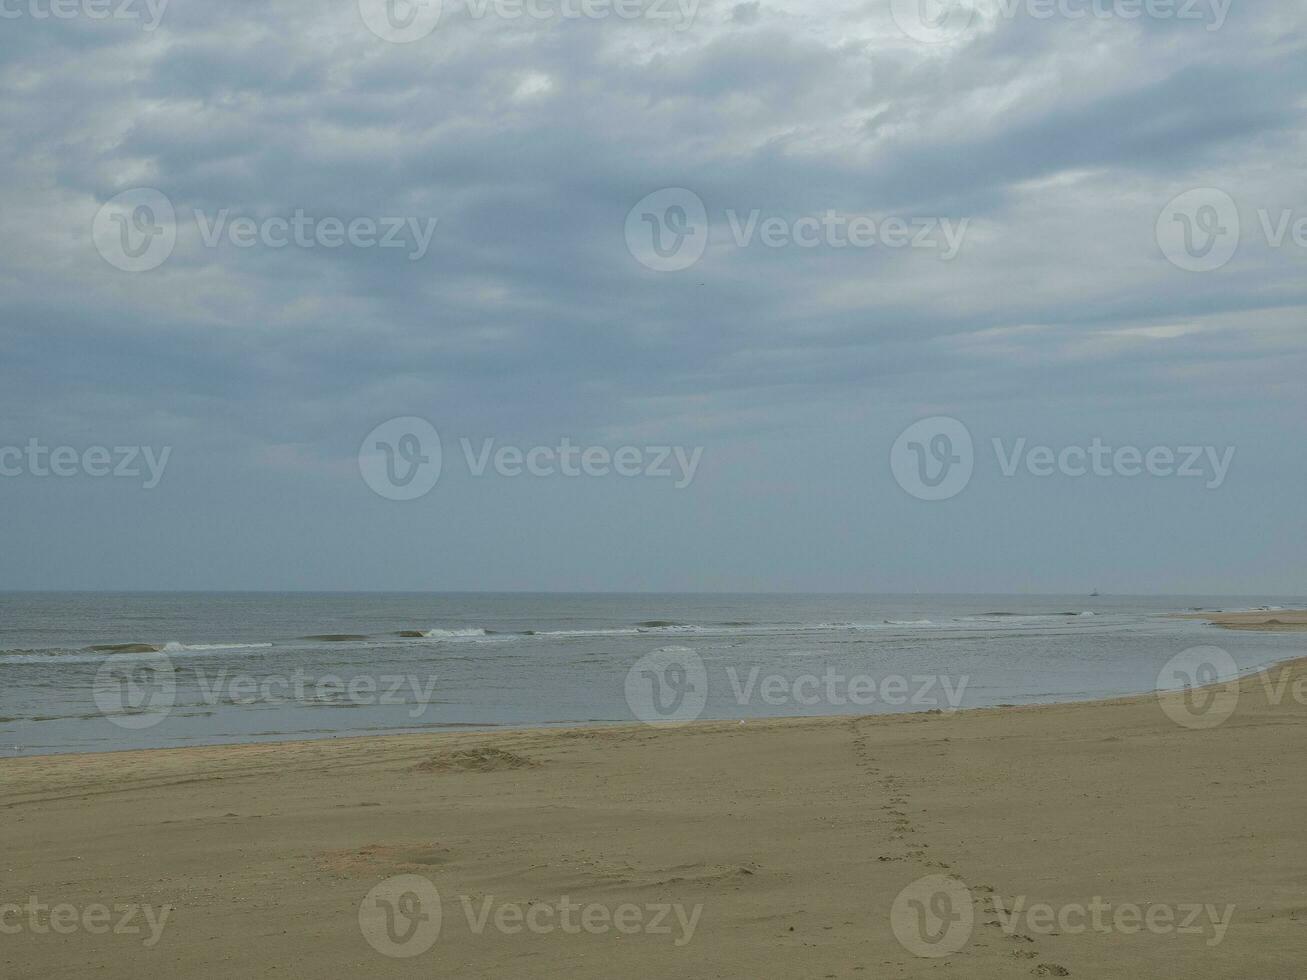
point(439, 634)
point(51, 655)
point(652, 628)
point(100, 652)
point(1017, 615)
point(170, 647)
point(183, 647)
point(629, 631)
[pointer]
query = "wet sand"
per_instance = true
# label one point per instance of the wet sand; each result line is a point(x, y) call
point(1278, 620)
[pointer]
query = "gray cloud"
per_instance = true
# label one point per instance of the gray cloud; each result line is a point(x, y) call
point(1059, 141)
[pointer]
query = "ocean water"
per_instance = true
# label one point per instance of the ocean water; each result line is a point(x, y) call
point(99, 671)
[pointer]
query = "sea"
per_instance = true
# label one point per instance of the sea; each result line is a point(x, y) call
point(84, 672)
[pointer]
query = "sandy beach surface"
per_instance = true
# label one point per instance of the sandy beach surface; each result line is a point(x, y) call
point(1158, 836)
point(1278, 620)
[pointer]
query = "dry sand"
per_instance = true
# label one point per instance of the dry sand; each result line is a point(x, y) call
point(793, 836)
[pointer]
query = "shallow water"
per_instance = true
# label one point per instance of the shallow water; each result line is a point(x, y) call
point(252, 667)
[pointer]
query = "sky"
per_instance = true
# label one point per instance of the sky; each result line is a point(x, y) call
point(642, 295)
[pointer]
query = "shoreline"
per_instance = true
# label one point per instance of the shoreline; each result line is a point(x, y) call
point(574, 729)
point(1269, 621)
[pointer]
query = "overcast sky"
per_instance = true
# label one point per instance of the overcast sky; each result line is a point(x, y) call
point(1041, 282)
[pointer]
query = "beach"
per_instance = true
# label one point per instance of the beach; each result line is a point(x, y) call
point(1091, 839)
point(1261, 620)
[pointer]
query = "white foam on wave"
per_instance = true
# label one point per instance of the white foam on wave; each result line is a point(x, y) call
point(59, 656)
point(600, 632)
point(64, 655)
point(174, 647)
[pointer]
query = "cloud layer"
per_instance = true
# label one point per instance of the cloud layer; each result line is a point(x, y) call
point(1059, 141)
